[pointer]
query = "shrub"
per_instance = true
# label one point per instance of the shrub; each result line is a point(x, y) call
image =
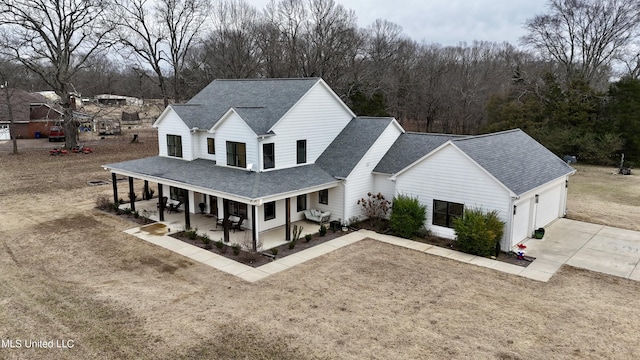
point(407, 216)
point(206, 241)
point(236, 249)
point(104, 203)
point(191, 233)
point(126, 211)
point(219, 244)
point(323, 230)
point(274, 251)
point(292, 244)
point(374, 207)
point(307, 237)
point(479, 233)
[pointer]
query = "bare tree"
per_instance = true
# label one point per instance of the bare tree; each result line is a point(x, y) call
point(586, 36)
point(7, 69)
point(142, 37)
point(54, 39)
point(183, 21)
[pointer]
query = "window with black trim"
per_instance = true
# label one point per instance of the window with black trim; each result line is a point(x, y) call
point(301, 151)
point(302, 202)
point(445, 212)
point(174, 145)
point(268, 156)
point(237, 209)
point(177, 193)
point(323, 197)
point(211, 146)
point(236, 154)
point(269, 210)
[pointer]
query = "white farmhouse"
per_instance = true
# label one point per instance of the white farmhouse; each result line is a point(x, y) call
point(267, 150)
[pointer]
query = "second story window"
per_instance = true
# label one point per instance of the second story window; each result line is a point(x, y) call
point(236, 154)
point(174, 145)
point(268, 156)
point(211, 146)
point(301, 150)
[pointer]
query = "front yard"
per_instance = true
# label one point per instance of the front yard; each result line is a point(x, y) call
point(70, 273)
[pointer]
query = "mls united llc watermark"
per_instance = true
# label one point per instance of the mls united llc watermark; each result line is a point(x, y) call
point(36, 344)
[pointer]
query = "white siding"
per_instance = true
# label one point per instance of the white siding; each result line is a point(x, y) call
point(233, 128)
point(202, 150)
point(361, 181)
point(521, 224)
point(318, 118)
point(383, 185)
point(281, 215)
point(171, 124)
point(448, 175)
point(336, 202)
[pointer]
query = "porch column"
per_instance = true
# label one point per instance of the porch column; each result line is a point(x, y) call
point(287, 223)
point(115, 188)
point(132, 199)
point(160, 202)
point(225, 219)
point(254, 230)
point(187, 219)
point(146, 190)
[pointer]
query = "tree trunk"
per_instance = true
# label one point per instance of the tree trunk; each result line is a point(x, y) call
point(12, 129)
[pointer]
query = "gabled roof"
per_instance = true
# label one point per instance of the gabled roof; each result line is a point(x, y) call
point(260, 102)
point(353, 142)
point(408, 148)
point(515, 159)
point(21, 102)
point(241, 183)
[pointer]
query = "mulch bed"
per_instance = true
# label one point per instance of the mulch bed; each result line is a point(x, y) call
point(258, 259)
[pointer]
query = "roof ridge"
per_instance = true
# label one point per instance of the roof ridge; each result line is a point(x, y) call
point(470, 137)
point(436, 134)
point(269, 79)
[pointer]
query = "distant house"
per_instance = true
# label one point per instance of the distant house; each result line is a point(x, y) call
point(268, 150)
point(33, 114)
point(109, 99)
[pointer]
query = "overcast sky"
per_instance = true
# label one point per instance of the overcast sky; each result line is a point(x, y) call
point(447, 22)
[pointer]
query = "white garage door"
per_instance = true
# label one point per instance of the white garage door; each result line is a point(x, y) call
point(548, 208)
point(4, 132)
point(521, 222)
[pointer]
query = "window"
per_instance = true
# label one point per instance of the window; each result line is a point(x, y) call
point(237, 209)
point(269, 210)
point(302, 202)
point(268, 156)
point(323, 197)
point(174, 145)
point(301, 150)
point(236, 154)
point(177, 193)
point(445, 212)
point(211, 146)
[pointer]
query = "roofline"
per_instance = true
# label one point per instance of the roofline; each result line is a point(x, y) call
point(162, 116)
point(225, 116)
point(470, 137)
point(319, 81)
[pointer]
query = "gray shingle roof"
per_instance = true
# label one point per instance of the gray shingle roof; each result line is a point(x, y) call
point(346, 150)
point(260, 102)
point(246, 184)
point(408, 148)
point(515, 159)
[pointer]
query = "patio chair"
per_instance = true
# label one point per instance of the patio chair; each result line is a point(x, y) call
point(238, 225)
point(162, 202)
point(175, 207)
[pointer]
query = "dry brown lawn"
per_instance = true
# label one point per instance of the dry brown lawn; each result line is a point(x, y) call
point(70, 273)
point(599, 195)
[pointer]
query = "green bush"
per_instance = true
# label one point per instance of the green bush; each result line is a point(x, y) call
point(307, 237)
point(323, 230)
point(407, 216)
point(479, 233)
point(236, 249)
point(292, 244)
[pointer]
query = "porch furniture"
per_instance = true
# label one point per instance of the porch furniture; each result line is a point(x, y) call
point(238, 225)
point(162, 202)
point(232, 219)
point(173, 207)
point(316, 215)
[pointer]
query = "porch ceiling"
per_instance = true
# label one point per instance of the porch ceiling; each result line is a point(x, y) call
point(206, 177)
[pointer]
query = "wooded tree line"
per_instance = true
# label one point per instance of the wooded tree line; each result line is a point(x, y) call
point(556, 86)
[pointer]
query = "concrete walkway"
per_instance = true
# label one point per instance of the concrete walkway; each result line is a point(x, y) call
point(588, 246)
point(251, 274)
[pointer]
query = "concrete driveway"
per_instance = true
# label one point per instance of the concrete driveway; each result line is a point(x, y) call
point(589, 246)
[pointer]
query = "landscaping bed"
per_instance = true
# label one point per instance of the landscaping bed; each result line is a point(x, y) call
point(251, 258)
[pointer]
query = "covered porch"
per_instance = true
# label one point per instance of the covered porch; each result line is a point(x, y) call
point(206, 224)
